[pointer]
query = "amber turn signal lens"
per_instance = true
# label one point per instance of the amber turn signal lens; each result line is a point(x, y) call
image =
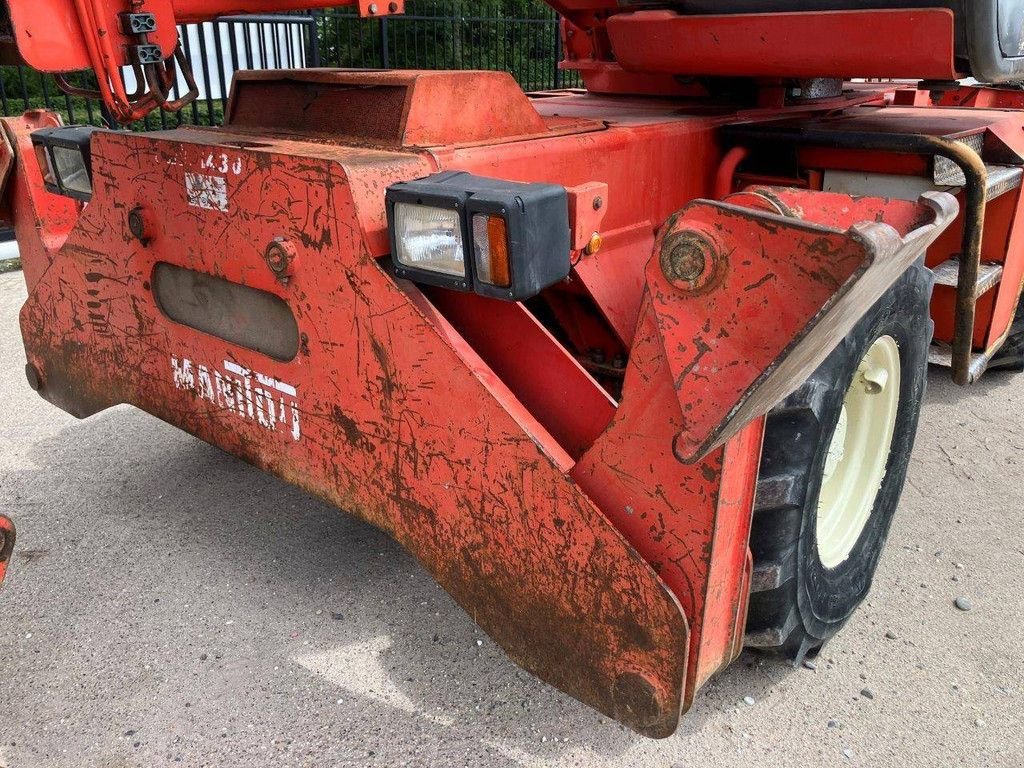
point(490, 247)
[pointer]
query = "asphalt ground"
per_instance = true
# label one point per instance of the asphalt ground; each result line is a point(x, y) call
point(169, 604)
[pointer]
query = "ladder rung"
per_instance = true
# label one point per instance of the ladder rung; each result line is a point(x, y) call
point(989, 275)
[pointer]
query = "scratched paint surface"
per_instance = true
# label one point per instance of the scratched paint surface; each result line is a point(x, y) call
point(393, 424)
point(395, 416)
point(670, 510)
point(782, 292)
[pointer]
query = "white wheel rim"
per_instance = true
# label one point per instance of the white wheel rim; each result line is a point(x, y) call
point(858, 452)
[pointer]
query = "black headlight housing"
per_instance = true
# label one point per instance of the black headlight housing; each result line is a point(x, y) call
point(65, 158)
point(513, 238)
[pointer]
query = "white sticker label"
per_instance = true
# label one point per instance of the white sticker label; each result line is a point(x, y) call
point(249, 395)
point(208, 192)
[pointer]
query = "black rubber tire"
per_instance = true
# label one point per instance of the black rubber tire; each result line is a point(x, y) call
point(796, 604)
point(1010, 356)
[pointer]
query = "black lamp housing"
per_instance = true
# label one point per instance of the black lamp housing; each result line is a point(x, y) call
point(536, 218)
point(57, 143)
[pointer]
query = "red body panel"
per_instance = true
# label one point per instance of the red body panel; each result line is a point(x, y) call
point(599, 535)
point(874, 43)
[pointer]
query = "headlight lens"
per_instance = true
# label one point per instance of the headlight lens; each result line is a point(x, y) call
point(429, 238)
point(72, 171)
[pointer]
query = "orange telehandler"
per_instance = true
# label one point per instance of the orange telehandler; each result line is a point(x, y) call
point(633, 370)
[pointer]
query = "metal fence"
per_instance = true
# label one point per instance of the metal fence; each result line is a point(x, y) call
point(442, 34)
point(433, 34)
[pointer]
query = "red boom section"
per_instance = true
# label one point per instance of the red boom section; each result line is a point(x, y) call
point(109, 36)
point(68, 35)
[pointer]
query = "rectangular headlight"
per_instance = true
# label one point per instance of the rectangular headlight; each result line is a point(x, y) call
point(503, 239)
point(65, 158)
point(429, 238)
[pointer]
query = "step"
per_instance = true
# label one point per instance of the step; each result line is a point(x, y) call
point(1001, 178)
point(989, 275)
point(942, 354)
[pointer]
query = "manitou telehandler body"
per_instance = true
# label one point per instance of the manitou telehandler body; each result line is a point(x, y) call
point(633, 370)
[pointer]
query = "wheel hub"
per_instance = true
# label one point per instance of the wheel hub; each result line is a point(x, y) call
point(858, 452)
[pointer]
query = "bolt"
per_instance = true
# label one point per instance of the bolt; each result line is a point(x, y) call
point(373, 8)
point(280, 257)
point(137, 224)
point(596, 241)
point(596, 355)
point(34, 379)
point(619, 362)
point(393, 7)
point(598, 202)
point(691, 260)
point(686, 262)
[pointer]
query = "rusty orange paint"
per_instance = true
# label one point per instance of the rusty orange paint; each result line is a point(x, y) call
point(400, 422)
point(403, 421)
point(562, 518)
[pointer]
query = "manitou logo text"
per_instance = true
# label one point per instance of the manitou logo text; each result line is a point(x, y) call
point(247, 394)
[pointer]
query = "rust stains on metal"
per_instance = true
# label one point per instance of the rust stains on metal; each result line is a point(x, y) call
point(390, 416)
point(280, 257)
point(730, 361)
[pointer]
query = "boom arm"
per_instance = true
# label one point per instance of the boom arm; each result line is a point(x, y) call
point(106, 36)
point(635, 47)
